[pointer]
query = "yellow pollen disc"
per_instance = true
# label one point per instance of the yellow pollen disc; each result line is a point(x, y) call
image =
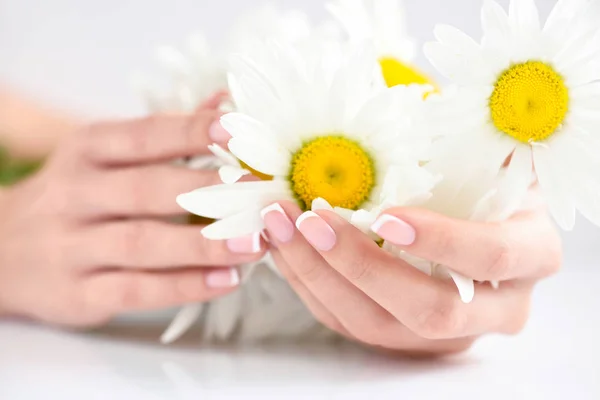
point(334, 168)
point(397, 73)
point(530, 101)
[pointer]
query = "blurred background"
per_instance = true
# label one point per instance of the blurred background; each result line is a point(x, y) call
point(79, 56)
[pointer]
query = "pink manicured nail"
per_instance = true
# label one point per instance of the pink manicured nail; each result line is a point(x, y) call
point(277, 222)
point(394, 230)
point(217, 133)
point(314, 228)
point(245, 245)
point(223, 278)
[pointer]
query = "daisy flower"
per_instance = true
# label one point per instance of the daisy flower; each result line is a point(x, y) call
point(383, 23)
point(319, 127)
point(529, 94)
point(198, 71)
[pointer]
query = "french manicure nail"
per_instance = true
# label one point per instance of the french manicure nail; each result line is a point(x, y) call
point(217, 133)
point(394, 230)
point(245, 245)
point(223, 278)
point(318, 233)
point(278, 223)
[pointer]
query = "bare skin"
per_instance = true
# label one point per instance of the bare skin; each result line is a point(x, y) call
point(90, 236)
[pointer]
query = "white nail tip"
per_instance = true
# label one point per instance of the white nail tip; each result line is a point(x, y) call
point(382, 220)
point(304, 217)
point(273, 207)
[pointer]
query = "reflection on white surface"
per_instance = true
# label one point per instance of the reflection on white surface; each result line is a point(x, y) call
point(555, 357)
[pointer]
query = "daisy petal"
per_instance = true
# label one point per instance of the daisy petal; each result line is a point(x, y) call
point(264, 156)
point(182, 323)
point(559, 200)
point(321, 204)
point(230, 174)
point(225, 200)
point(243, 224)
point(524, 16)
point(466, 286)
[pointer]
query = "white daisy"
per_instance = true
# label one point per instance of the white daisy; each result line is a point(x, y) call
point(383, 23)
point(198, 71)
point(529, 92)
point(319, 129)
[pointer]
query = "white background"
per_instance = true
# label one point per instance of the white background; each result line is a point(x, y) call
point(79, 55)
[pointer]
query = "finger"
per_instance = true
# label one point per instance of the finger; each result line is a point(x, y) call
point(140, 191)
point(148, 244)
point(358, 314)
point(214, 101)
point(429, 307)
point(151, 139)
point(123, 291)
point(526, 246)
point(310, 301)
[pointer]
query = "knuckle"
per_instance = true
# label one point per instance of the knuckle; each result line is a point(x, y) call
point(127, 295)
point(443, 319)
point(138, 141)
point(132, 240)
point(360, 267)
point(500, 259)
point(310, 272)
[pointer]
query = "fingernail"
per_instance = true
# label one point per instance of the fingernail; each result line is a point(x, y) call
point(217, 133)
point(245, 245)
point(223, 278)
point(394, 230)
point(314, 228)
point(277, 223)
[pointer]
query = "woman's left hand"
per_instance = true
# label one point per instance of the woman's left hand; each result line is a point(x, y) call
point(366, 294)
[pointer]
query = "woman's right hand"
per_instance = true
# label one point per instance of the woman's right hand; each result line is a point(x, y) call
point(91, 235)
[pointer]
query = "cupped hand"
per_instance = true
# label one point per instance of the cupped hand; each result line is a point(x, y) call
point(92, 235)
point(367, 294)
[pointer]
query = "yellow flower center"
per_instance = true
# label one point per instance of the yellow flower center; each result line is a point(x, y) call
point(334, 168)
point(397, 73)
point(530, 101)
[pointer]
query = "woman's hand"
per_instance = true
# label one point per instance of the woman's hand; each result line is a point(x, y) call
point(366, 294)
point(90, 235)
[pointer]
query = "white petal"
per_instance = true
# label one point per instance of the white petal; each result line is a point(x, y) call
point(321, 204)
point(244, 126)
point(466, 286)
point(551, 183)
point(494, 19)
point(516, 181)
point(223, 155)
point(230, 174)
point(264, 156)
point(182, 323)
point(243, 224)
point(524, 16)
point(363, 220)
point(225, 200)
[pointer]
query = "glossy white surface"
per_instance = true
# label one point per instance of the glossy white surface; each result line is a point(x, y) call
point(555, 358)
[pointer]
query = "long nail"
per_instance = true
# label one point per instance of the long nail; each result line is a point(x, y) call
point(223, 278)
point(394, 230)
point(318, 233)
point(245, 245)
point(278, 224)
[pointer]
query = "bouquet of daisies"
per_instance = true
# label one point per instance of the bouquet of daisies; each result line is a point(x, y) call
point(338, 117)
